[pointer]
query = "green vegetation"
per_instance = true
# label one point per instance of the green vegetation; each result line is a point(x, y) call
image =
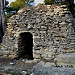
point(6, 3)
point(6, 71)
point(14, 73)
point(15, 6)
point(19, 4)
point(8, 11)
point(47, 2)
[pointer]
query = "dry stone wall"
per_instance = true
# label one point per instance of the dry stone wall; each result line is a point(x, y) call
point(52, 28)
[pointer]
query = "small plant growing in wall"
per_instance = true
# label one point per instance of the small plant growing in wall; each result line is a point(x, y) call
point(14, 73)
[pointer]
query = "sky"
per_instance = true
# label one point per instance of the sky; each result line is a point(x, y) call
point(10, 1)
point(37, 1)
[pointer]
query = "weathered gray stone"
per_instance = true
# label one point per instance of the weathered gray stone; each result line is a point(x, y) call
point(66, 58)
point(52, 29)
point(24, 73)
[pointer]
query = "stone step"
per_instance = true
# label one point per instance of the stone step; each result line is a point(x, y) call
point(68, 58)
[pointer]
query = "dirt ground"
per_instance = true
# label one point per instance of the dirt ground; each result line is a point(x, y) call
point(8, 65)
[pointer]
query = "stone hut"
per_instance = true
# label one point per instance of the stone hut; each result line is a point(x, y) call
point(40, 32)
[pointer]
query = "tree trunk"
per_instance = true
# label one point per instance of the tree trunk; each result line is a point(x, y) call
point(4, 4)
point(0, 22)
point(1, 31)
point(3, 16)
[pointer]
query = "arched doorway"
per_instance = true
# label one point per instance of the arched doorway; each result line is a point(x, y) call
point(25, 45)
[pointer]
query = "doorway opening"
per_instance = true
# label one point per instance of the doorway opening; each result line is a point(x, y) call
point(25, 45)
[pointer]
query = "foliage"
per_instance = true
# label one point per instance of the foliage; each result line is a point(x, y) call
point(40, 4)
point(47, 2)
point(6, 71)
point(14, 73)
point(18, 4)
point(6, 3)
point(8, 9)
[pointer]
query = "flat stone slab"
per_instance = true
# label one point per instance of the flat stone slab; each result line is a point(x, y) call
point(68, 58)
point(42, 69)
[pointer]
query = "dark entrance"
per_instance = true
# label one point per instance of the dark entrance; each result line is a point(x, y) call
point(25, 45)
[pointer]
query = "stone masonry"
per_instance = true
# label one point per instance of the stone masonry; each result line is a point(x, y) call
point(52, 28)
